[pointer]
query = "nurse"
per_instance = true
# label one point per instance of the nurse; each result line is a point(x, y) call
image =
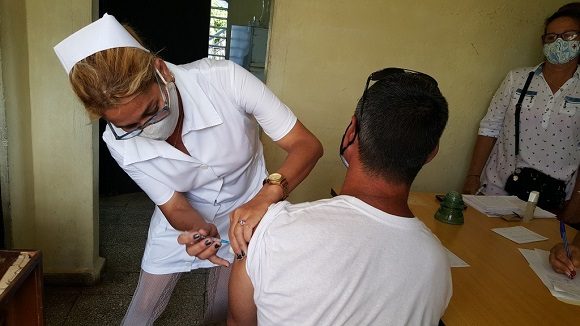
point(188, 135)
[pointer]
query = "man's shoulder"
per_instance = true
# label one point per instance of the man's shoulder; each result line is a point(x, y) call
point(339, 202)
point(284, 211)
point(287, 208)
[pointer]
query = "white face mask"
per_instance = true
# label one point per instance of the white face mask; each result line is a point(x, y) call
point(344, 161)
point(164, 128)
point(342, 149)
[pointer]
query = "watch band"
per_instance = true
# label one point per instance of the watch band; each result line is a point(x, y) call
point(279, 180)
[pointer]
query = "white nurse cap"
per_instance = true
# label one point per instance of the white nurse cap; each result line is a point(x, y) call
point(102, 34)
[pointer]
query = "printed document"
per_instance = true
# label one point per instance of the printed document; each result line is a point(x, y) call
point(561, 287)
point(495, 206)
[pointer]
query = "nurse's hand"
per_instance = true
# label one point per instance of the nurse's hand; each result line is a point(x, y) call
point(244, 219)
point(203, 245)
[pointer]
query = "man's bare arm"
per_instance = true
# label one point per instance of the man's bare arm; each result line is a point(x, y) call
point(241, 309)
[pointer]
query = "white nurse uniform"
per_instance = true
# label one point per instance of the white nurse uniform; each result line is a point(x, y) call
point(223, 105)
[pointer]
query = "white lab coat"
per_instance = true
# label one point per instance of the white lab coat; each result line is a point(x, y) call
point(221, 103)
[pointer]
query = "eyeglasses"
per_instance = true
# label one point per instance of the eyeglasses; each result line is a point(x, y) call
point(383, 74)
point(566, 36)
point(158, 116)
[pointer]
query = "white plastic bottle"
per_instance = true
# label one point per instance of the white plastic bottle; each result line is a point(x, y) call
point(531, 206)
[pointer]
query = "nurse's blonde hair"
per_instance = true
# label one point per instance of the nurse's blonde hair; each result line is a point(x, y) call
point(104, 79)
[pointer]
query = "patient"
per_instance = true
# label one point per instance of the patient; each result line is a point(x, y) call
point(360, 258)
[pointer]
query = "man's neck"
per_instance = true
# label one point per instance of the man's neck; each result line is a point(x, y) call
point(383, 195)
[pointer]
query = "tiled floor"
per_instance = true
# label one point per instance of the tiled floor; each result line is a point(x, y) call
point(124, 220)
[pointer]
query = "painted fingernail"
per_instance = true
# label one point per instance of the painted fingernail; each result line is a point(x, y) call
point(217, 245)
point(196, 236)
point(243, 254)
point(207, 242)
point(239, 257)
point(573, 274)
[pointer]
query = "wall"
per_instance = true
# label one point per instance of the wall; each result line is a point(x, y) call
point(54, 204)
point(18, 183)
point(321, 53)
point(242, 12)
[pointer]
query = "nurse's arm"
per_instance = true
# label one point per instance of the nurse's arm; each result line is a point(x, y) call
point(182, 216)
point(303, 151)
point(241, 307)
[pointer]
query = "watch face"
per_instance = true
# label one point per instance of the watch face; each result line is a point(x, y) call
point(275, 177)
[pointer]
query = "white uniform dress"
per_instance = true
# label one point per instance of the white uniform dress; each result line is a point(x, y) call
point(549, 130)
point(221, 104)
point(341, 261)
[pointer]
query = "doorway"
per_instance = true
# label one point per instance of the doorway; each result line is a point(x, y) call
point(177, 30)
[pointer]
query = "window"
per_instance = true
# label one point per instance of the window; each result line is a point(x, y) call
point(218, 26)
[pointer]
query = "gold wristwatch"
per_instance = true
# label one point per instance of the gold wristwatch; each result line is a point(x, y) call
point(279, 180)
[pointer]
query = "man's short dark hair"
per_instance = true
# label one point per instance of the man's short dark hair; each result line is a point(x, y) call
point(403, 118)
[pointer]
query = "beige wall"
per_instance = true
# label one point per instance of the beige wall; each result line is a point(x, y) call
point(53, 195)
point(321, 53)
point(62, 142)
point(18, 197)
point(242, 12)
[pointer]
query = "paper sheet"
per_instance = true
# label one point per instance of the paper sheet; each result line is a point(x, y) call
point(519, 234)
point(495, 206)
point(455, 261)
point(560, 286)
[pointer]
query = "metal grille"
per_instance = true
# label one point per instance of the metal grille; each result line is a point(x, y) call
point(218, 25)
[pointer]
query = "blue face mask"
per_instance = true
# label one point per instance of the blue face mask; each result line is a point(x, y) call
point(560, 51)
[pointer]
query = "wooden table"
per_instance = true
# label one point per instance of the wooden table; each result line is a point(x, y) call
point(21, 302)
point(499, 287)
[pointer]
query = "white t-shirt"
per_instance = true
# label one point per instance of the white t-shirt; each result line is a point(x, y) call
point(221, 104)
point(340, 261)
point(549, 130)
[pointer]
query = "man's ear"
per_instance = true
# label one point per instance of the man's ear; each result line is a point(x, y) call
point(432, 154)
point(350, 132)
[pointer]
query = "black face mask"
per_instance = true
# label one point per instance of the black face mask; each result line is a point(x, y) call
point(342, 149)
